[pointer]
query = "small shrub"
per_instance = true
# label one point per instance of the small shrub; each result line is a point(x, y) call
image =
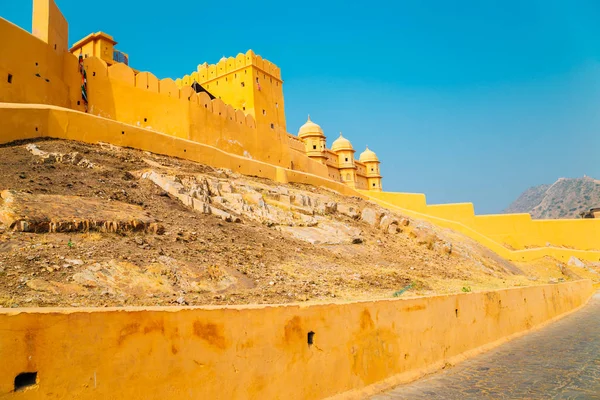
point(466, 289)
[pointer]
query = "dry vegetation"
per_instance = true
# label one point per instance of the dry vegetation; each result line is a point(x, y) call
point(202, 259)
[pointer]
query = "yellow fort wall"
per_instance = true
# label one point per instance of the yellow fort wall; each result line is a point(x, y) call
point(513, 236)
point(26, 121)
point(231, 353)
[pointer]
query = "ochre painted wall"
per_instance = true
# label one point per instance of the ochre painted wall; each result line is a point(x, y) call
point(23, 121)
point(529, 238)
point(38, 73)
point(247, 82)
point(231, 353)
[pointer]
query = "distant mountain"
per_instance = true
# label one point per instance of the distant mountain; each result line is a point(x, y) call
point(565, 198)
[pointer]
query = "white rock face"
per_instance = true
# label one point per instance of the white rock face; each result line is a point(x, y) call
point(307, 216)
point(575, 262)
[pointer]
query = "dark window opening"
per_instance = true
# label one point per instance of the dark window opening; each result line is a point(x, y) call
point(314, 146)
point(145, 119)
point(373, 185)
point(122, 132)
point(9, 78)
point(54, 47)
point(94, 73)
point(226, 79)
point(272, 126)
point(371, 169)
point(244, 108)
point(310, 337)
point(78, 102)
point(36, 64)
point(36, 128)
point(234, 76)
point(264, 112)
point(346, 159)
point(25, 379)
point(47, 80)
point(243, 84)
point(257, 79)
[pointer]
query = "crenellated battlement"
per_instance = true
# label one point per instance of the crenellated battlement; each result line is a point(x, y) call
point(207, 72)
point(97, 69)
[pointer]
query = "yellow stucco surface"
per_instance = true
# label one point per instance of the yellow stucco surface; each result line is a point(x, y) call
point(23, 121)
point(231, 353)
point(512, 236)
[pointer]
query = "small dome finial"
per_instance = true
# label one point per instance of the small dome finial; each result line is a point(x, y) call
point(308, 117)
point(341, 134)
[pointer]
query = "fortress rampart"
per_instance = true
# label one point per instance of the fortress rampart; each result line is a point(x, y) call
point(305, 352)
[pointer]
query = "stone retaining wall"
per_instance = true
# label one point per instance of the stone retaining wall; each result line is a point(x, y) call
point(260, 352)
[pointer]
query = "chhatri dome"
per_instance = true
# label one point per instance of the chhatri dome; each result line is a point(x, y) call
point(310, 129)
point(368, 156)
point(341, 143)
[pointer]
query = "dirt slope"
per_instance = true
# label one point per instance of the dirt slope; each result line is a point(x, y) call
point(292, 242)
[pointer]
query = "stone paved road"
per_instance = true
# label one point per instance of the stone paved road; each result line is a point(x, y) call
point(560, 361)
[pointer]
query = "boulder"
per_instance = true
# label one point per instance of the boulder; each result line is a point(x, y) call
point(348, 210)
point(424, 237)
point(385, 222)
point(575, 262)
point(370, 216)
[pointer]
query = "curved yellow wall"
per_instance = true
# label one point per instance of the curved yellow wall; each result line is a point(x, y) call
point(231, 353)
point(26, 121)
point(512, 236)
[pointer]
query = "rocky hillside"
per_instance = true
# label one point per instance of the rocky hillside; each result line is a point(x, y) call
point(565, 198)
point(99, 225)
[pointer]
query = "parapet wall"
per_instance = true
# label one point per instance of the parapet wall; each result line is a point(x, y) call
point(231, 353)
point(27, 121)
point(513, 236)
point(207, 72)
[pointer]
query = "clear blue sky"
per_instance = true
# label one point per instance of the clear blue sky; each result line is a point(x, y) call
point(463, 101)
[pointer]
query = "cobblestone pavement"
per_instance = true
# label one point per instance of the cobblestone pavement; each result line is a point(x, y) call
point(560, 361)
